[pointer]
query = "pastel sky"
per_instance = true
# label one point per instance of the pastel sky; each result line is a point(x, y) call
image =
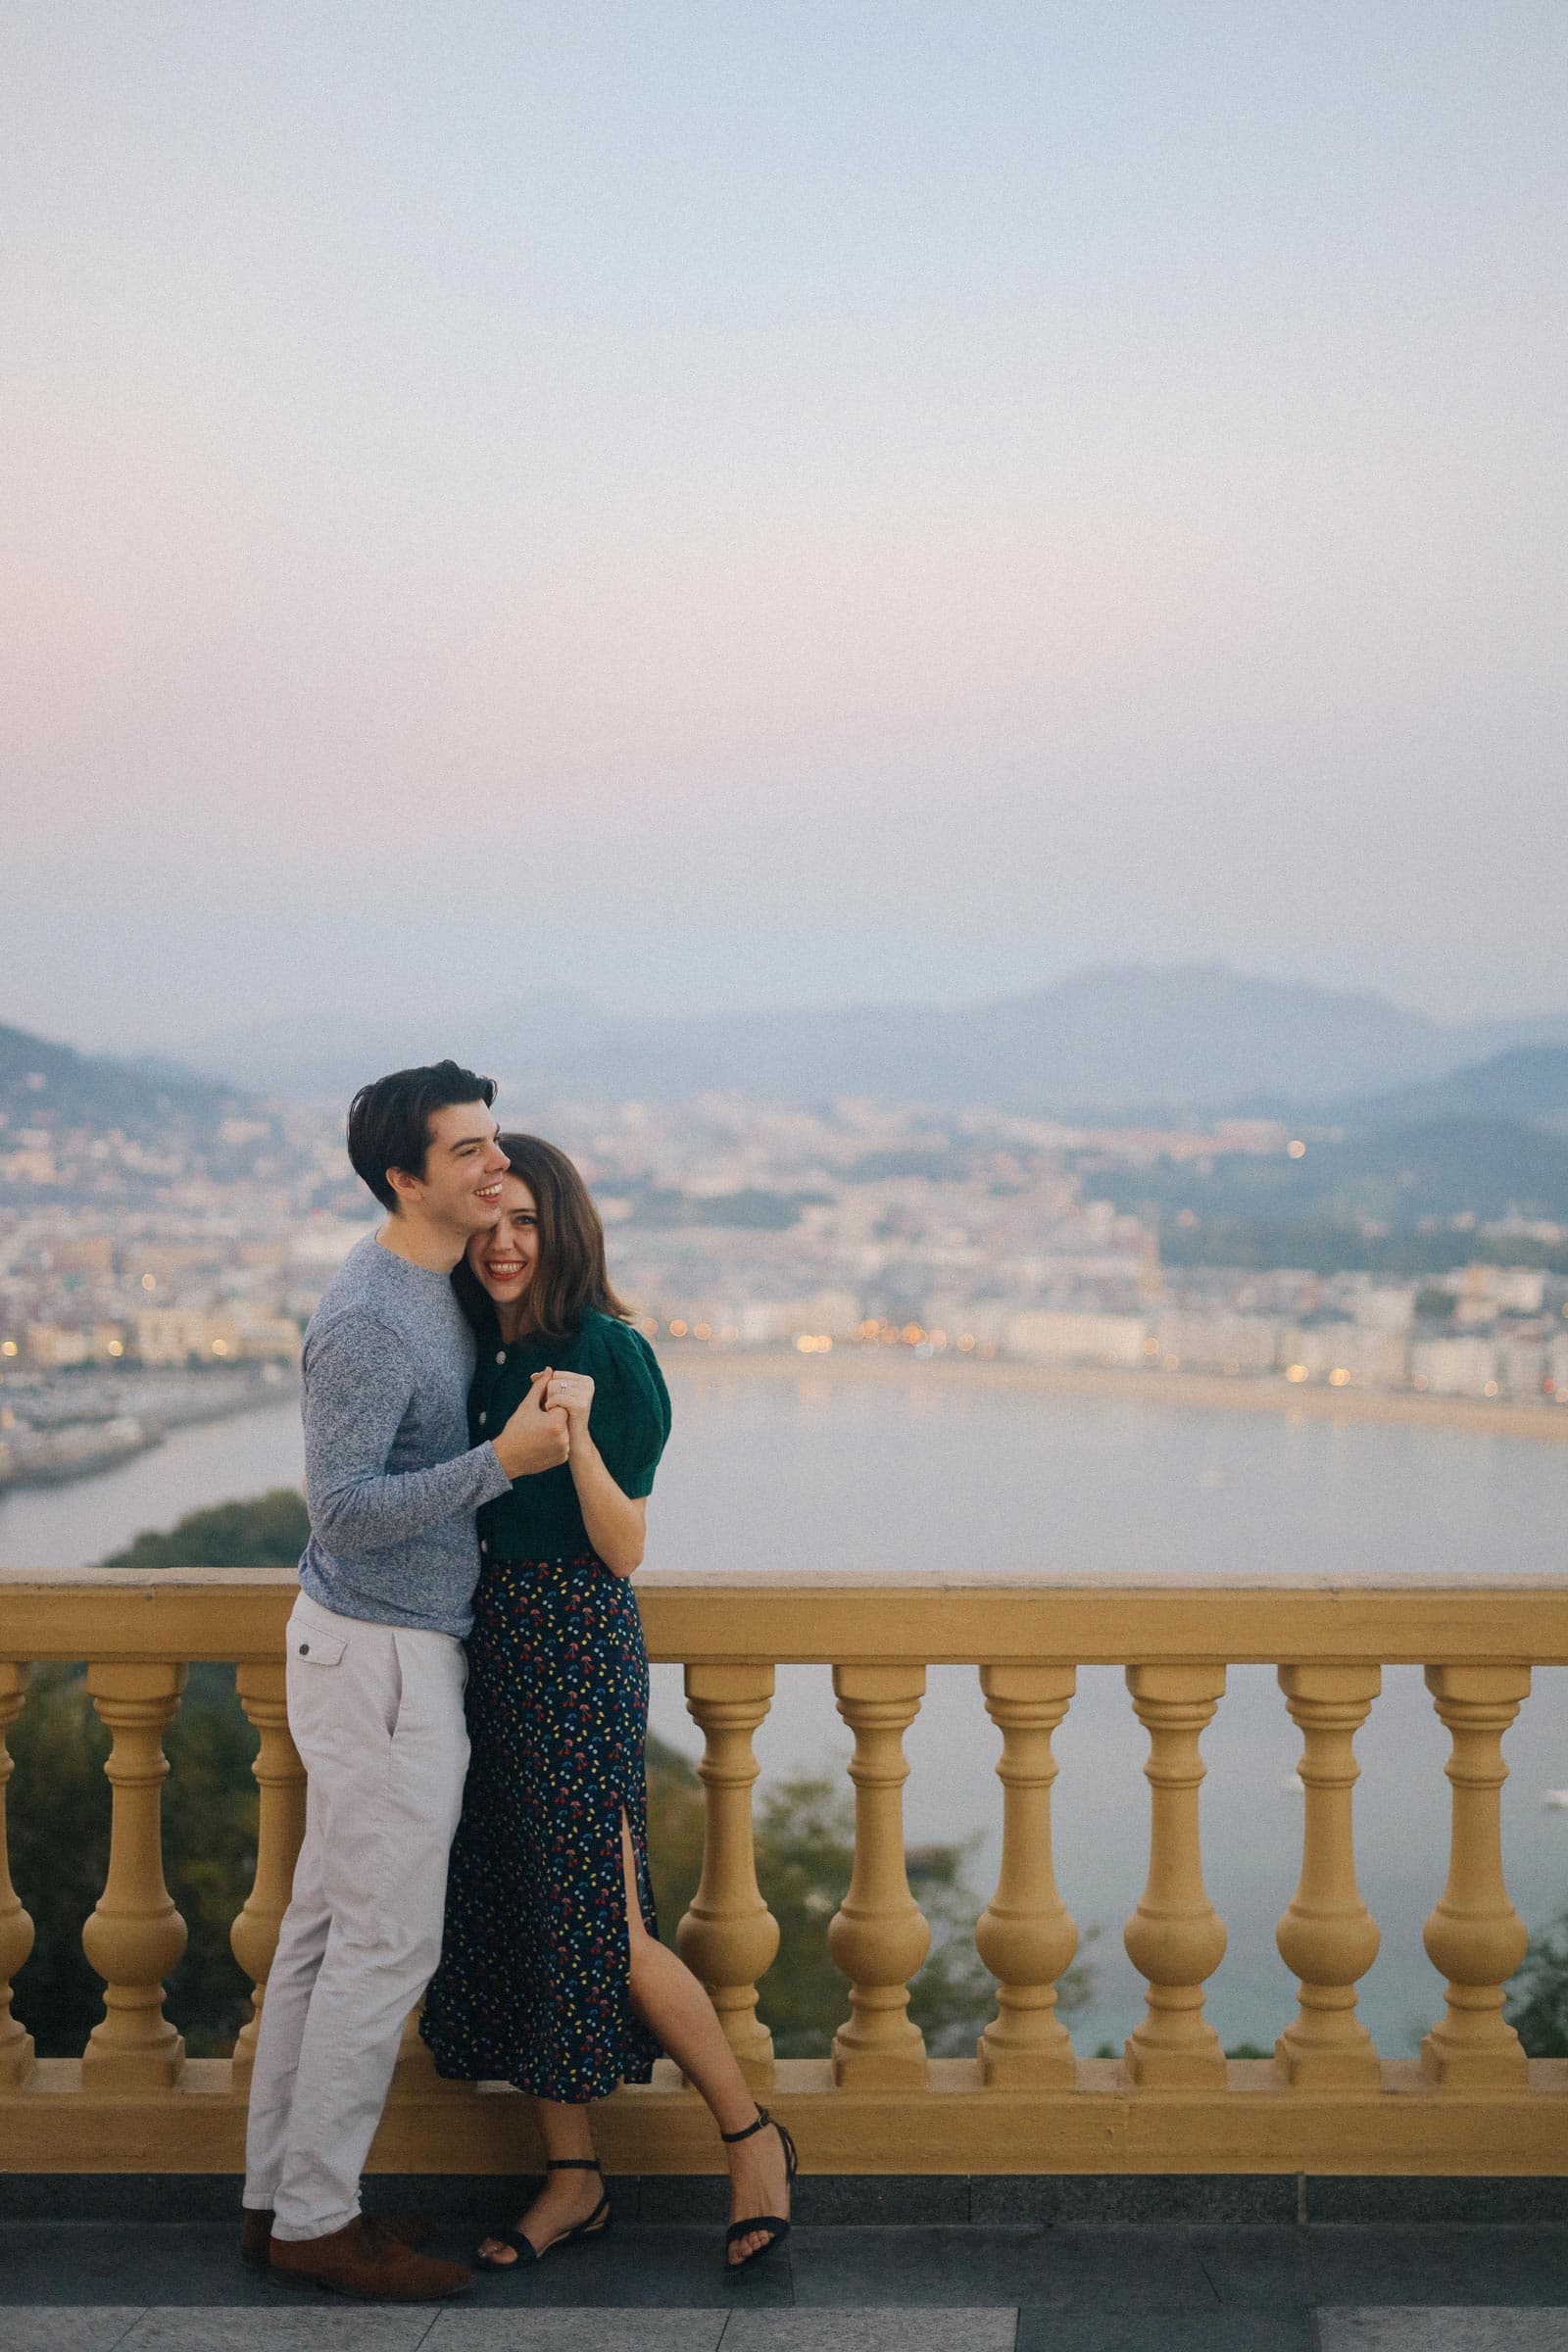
point(711, 504)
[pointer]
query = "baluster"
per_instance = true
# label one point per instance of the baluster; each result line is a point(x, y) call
point(877, 1937)
point(1328, 1938)
point(1025, 1936)
point(1475, 1937)
point(280, 1828)
point(16, 1927)
point(1175, 1938)
point(135, 1935)
point(728, 1937)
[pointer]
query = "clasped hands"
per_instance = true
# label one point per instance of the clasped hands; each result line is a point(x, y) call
point(552, 1417)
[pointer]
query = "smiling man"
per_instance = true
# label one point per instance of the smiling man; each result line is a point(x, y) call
point(375, 1679)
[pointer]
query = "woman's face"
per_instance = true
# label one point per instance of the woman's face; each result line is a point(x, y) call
point(505, 1257)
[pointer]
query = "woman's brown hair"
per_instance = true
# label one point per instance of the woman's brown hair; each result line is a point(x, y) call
point(570, 1277)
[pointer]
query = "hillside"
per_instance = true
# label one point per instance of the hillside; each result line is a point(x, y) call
point(166, 1118)
point(1529, 1084)
point(1124, 1040)
point(43, 1084)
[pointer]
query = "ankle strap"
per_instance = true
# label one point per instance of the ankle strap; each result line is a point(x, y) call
point(764, 2119)
point(572, 2164)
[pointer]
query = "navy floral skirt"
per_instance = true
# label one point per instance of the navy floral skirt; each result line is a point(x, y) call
point(533, 1983)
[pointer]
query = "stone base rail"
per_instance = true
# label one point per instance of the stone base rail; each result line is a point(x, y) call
point(1326, 2102)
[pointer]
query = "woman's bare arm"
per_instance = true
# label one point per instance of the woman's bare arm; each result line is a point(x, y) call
point(616, 1523)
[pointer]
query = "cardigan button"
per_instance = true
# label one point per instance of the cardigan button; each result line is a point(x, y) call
point(483, 1418)
point(500, 1355)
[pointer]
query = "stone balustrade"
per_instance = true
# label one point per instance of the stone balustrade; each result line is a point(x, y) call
point(1326, 2102)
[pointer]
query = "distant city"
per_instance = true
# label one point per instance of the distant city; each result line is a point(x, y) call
point(162, 1241)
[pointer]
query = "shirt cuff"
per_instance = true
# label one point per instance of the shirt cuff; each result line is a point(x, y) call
point(494, 1480)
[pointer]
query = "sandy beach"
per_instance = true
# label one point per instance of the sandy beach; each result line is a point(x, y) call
point(898, 1366)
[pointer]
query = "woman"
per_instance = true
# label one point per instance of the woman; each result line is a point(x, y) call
point(552, 1974)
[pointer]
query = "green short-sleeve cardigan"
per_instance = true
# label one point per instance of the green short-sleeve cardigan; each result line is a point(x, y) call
point(540, 1518)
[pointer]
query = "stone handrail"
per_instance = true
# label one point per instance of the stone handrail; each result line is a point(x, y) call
point(1325, 2103)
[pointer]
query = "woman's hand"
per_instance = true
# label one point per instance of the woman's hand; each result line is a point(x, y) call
point(571, 1392)
point(534, 1438)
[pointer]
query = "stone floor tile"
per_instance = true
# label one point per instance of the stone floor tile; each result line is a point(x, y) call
point(1435, 2197)
point(1124, 2329)
point(1412, 2327)
point(1371, 2266)
point(625, 2329)
point(317, 2326)
point(1089, 2267)
point(979, 2267)
point(671, 2268)
point(151, 2265)
point(1218, 2198)
point(823, 2330)
point(911, 2200)
point(98, 2328)
point(1254, 2266)
point(842, 2269)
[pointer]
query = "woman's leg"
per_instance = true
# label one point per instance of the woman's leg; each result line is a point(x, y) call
point(676, 2009)
point(566, 2198)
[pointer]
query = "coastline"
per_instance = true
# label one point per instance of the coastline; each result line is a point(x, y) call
point(891, 1367)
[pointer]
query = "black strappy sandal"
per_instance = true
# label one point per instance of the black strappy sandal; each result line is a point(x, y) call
point(526, 2251)
point(775, 2224)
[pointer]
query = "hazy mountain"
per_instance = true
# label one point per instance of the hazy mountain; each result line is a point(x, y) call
point(1189, 1039)
point(329, 1057)
point(1529, 1084)
point(48, 1084)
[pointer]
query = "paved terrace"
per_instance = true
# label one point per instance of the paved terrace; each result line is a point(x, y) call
point(129, 2263)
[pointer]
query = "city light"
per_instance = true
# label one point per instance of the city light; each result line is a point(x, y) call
point(1297, 1372)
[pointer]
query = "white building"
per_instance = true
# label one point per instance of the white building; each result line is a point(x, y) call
point(1049, 1336)
point(1193, 1340)
point(1462, 1364)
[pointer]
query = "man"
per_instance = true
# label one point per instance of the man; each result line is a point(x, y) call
point(376, 1677)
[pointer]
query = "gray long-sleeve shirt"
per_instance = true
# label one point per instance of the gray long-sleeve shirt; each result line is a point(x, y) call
point(390, 1478)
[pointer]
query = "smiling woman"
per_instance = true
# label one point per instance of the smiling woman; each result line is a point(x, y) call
point(552, 1973)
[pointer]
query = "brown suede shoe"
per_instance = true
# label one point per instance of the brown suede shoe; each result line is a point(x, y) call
point(256, 2231)
point(359, 2260)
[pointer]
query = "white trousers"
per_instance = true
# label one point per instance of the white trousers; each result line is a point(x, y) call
point(377, 1714)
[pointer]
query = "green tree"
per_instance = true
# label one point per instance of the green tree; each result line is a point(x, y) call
point(270, 1530)
point(59, 1824)
point(805, 1836)
point(1537, 1998)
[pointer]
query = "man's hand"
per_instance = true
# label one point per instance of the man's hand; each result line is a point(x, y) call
point(536, 1438)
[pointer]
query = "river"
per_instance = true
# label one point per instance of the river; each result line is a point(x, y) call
point(771, 1474)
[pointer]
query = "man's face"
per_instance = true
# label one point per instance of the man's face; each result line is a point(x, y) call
point(464, 1166)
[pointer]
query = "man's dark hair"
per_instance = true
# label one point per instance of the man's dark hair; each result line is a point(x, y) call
point(389, 1120)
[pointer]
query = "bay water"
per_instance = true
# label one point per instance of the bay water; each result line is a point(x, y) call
point(769, 1475)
